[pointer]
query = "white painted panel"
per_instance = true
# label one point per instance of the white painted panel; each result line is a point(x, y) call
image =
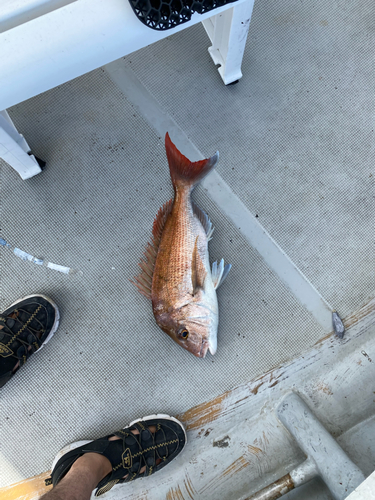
point(71, 41)
point(16, 12)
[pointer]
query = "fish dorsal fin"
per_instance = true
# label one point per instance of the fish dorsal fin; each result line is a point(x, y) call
point(205, 221)
point(160, 220)
point(144, 280)
point(198, 272)
point(219, 273)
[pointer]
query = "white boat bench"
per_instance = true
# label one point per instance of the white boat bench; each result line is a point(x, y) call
point(45, 43)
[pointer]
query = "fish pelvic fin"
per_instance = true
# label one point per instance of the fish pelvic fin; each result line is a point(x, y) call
point(144, 280)
point(204, 220)
point(198, 271)
point(219, 273)
point(184, 171)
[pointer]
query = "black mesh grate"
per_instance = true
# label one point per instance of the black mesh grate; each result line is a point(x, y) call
point(166, 14)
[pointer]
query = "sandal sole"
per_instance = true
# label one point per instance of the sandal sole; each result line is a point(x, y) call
point(160, 415)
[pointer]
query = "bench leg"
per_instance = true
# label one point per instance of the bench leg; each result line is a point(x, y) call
point(228, 34)
point(15, 150)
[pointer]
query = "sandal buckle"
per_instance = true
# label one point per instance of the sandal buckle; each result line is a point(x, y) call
point(5, 351)
point(127, 459)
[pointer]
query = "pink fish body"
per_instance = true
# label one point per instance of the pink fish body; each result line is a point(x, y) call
point(176, 274)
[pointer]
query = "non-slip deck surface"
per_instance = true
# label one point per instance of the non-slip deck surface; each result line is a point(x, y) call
point(296, 146)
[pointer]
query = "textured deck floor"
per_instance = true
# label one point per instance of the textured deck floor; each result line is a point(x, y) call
point(296, 140)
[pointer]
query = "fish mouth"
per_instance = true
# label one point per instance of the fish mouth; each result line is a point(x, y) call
point(198, 349)
point(206, 345)
point(203, 350)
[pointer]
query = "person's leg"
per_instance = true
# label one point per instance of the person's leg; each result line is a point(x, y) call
point(81, 479)
point(84, 475)
point(138, 450)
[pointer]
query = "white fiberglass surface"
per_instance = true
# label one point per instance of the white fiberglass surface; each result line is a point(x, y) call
point(295, 149)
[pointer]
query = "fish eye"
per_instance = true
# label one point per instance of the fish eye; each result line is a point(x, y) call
point(184, 334)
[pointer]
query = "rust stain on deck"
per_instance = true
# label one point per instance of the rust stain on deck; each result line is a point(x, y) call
point(357, 316)
point(188, 491)
point(352, 319)
point(28, 489)
point(256, 388)
point(236, 467)
point(189, 486)
point(204, 413)
point(323, 339)
point(254, 449)
point(175, 494)
point(324, 388)
point(242, 399)
point(278, 488)
point(265, 438)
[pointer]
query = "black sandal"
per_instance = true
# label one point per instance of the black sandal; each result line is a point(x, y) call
point(166, 14)
point(130, 453)
point(25, 327)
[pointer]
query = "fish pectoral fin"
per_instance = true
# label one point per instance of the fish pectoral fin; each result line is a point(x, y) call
point(219, 273)
point(198, 271)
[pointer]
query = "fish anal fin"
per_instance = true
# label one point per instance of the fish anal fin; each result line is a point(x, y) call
point(144, 280)
point(204, 220)
point(198, 271)
point(219, 273)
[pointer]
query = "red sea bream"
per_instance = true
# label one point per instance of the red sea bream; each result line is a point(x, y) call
point(176, 273)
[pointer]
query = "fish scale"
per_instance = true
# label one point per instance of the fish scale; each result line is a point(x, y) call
point(179, 238)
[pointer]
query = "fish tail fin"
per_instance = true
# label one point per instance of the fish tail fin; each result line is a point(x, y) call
point(184, 171)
